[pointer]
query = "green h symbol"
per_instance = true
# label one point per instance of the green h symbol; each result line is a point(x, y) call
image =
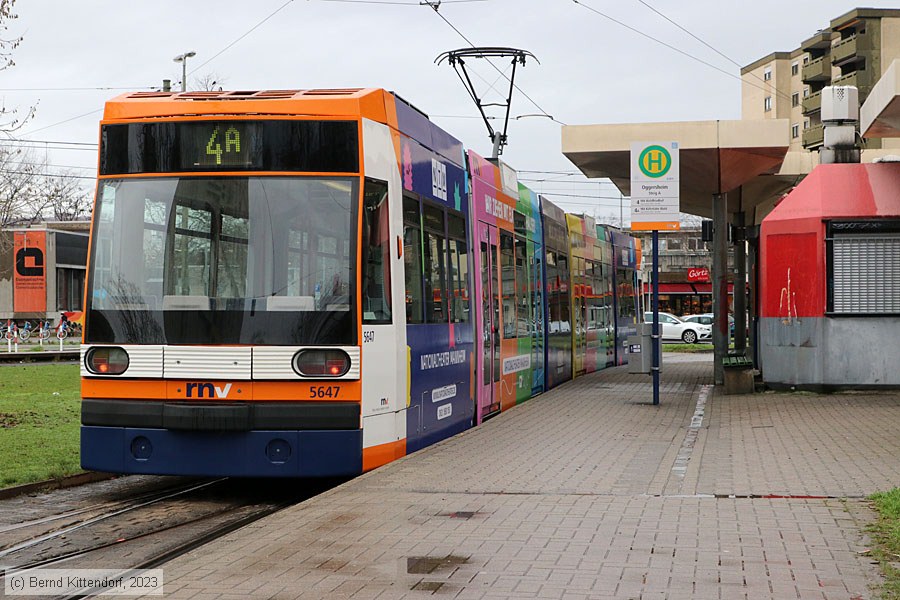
point(655, 161)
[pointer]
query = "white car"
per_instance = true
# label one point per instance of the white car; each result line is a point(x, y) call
point(674, 329)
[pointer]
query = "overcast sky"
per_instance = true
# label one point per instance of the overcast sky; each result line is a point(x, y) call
point(75, 55)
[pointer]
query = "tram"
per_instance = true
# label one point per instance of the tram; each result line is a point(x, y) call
point(303, 283)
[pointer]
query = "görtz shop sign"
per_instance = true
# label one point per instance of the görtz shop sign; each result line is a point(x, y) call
point(698, 274)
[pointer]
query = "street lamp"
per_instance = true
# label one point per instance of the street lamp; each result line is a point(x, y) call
point(182, 58)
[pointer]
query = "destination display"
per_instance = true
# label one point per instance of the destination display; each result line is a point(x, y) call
point(230, 145)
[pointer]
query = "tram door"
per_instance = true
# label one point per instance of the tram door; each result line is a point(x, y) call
point(489, 353)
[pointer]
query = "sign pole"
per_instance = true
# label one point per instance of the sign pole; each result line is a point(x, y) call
point(655, 333)
point(655, 203)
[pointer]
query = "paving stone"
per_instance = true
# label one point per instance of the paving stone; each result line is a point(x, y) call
point(588, 491)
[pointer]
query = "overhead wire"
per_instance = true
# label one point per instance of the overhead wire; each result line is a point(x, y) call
point(710, 46)
point(669, 46)
point(191, 72)
point(63, 175)
point(55, 142)
point(44, 147)
point(77, 89)
point(248, 32)
point(399, 3)
point(64, 121)
point(435, 5)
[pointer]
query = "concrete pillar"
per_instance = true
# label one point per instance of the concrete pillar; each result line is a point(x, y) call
point(720, 285)
point(740, 285)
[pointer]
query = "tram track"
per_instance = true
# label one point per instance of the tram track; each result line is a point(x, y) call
point(116, 507)
point(151, 529)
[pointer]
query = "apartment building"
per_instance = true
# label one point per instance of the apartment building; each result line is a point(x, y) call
point(855, 49)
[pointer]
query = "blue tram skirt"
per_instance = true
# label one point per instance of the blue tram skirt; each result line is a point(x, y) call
point(323, 453)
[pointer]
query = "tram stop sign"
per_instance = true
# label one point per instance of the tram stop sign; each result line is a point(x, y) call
point(655, 186)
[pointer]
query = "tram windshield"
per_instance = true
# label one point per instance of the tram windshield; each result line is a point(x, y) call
point(230, 260)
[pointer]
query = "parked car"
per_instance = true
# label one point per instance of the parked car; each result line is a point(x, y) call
point(704, 319)
point(707, 319)
point(674, 329)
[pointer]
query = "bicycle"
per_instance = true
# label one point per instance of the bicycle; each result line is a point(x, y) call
point(10, 331)
point(42, 331)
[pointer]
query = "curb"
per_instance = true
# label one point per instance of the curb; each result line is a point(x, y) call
point(55, 484)
point(45, 356)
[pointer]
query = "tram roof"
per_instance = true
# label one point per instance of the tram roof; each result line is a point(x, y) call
point(372, 103)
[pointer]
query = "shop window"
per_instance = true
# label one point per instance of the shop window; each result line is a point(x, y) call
point(69, 289)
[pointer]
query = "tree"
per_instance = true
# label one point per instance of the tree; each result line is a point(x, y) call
point(30, 192)
point(10, 120)
point(211, 82)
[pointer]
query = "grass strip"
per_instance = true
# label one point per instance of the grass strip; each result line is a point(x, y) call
point(691, 348)
point(885, 534)
point(39, 422)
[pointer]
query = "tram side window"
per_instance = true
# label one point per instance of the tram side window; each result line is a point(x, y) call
point(592, 316)
point(625, 286)
point(537, 292)
point(376, 260)
point(552, 292)
point(508, 284)
point(435, 266)
point(523, 306)
point(603, 283)
point(565, 324)
point(412, 260)
point(459, 269)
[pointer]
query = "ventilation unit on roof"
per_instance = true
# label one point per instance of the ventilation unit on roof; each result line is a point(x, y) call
point(840, 116)
point(840, 104)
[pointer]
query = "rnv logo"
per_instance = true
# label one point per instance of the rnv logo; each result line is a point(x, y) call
point(207, 390)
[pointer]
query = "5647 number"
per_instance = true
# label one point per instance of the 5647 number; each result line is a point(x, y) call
point(325, 391)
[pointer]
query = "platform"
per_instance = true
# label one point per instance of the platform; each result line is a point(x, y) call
point(589, 491)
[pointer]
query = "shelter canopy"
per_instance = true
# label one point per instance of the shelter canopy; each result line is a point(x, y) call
point(716, 156)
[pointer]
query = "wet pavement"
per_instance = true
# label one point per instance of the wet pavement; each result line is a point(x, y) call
point(589, 491)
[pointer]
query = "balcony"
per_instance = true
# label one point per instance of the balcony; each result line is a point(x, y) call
point(812, 103)
point(817, 70)
point(844, 51)
point(861, 80)
point(814, 136)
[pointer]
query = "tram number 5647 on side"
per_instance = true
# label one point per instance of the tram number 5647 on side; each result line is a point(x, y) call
point(325, 391)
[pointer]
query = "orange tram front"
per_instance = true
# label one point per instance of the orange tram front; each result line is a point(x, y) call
point(223, 320)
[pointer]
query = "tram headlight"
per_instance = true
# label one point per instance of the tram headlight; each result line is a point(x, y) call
point(106, 361)
point(321, 363)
